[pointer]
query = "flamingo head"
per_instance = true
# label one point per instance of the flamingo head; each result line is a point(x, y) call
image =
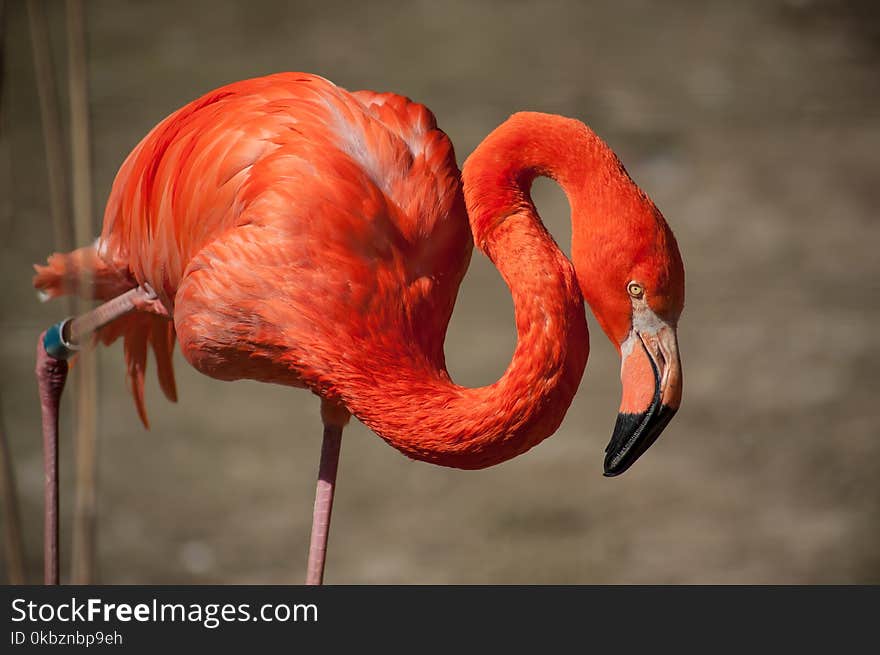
point(631, 274)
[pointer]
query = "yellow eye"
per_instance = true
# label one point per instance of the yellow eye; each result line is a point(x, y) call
point(635, 289)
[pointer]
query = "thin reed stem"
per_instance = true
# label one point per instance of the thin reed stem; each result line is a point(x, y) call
point(85, 444)
point(13, 541)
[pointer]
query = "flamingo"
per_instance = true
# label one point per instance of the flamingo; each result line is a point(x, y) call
point(286, 230)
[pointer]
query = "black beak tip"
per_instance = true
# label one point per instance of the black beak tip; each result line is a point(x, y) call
point(614, 467)
point(633, 435)
point(610, 472)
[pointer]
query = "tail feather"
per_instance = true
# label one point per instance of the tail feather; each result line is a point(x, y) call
point(63, 275)
point(135, 348)
point(162, 338)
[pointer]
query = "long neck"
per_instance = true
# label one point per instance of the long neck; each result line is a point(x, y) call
point(424, 414)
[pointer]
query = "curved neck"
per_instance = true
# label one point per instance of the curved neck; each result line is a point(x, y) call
point(422, 412)
point(498, 175)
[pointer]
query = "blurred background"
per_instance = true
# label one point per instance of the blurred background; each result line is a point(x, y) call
point(754, 126)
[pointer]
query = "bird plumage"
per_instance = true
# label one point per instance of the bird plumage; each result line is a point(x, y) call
point(304, 235)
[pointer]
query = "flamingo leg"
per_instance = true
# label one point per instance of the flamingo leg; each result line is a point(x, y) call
point(54, 346)
point(324, 502)
point(51, 376)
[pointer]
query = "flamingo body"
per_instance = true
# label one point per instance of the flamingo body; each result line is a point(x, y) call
point(301, 234)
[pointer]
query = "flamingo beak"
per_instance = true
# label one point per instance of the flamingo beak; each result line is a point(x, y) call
point(651, 375)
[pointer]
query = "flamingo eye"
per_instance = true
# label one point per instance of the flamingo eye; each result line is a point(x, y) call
point(635, 289)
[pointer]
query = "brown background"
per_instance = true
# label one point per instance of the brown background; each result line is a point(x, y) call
point(753, 125)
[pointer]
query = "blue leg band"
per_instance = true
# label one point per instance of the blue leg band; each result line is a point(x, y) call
point(55, 343)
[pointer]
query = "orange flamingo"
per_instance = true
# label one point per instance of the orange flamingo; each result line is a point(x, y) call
point(286, 230)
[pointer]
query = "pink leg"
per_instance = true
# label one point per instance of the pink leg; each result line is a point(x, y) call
point(334, 420)
point(51, 370)
point(51, 376)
